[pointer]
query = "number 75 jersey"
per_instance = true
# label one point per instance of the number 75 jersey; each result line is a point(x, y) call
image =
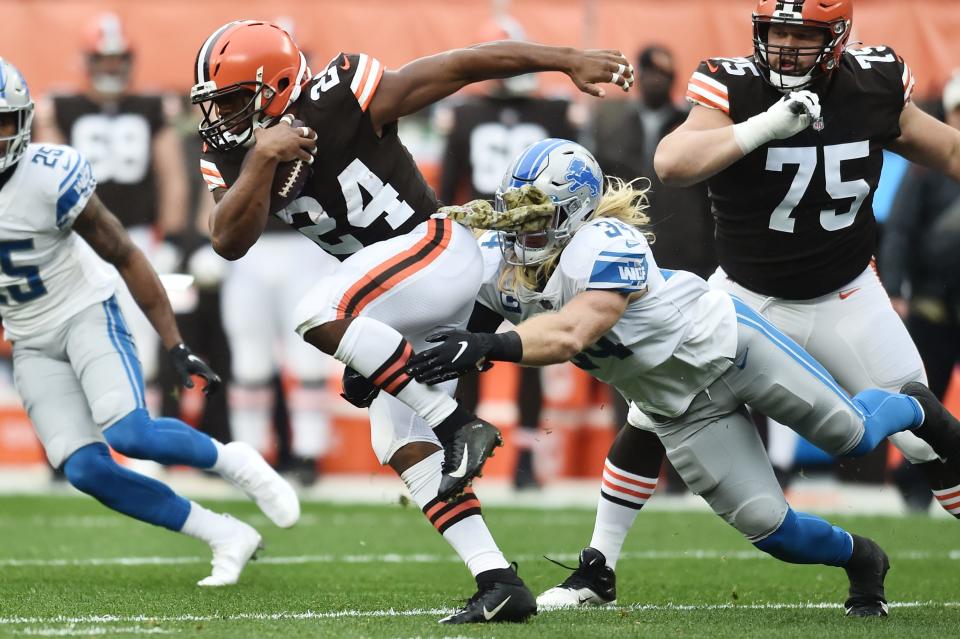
point(794, 218)
point(48, 274)
point(363, 187)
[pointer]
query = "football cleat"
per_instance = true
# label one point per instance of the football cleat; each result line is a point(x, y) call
point(940, 429)
point(495, 602)
point(271, 492)
point(464, 456)
point(866, 571)
point(232, 553)
point(591, 583)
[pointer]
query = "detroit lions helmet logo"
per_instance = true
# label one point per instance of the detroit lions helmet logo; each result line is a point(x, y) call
point(581, 176)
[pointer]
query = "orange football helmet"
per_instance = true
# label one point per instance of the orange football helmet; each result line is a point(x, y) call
point(246, 57)
point(833, 17)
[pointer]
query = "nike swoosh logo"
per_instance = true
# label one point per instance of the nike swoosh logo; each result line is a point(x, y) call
point(346, 64)
point(713, 68)
point(463, 347)
point(743, 360)
point(490, 614)
point(631, 244)
point(461, 471)
point(845, 294)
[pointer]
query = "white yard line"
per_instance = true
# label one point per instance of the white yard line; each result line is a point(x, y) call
point(424, 558)
point(91, 631)
point(420, 612)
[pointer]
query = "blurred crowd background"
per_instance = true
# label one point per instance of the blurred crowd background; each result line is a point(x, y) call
point(111, 79)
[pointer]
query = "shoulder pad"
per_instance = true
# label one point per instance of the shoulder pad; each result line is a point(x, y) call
point(709, 84)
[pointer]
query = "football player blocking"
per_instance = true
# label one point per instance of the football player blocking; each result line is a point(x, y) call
point(74, 360)
point(793, 178)
point(403, 275)
point(688, 355)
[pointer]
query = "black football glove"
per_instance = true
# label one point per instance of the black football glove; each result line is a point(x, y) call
point(460, 352)
point(357, 389)
point(187, 364)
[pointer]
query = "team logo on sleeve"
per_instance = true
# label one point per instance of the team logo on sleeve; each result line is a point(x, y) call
point(581, 176)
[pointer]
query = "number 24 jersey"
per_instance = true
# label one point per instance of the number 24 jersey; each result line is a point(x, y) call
point(363, 188)
point(794, 218)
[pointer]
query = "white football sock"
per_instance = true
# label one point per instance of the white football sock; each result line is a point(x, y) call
point(459, 521)
point(206, 525)
point(622, 495)
point(379, 353)
point(309, 420)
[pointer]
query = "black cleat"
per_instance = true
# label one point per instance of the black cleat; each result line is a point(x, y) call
point(867, 568)
point(495, 601)
point(593, 582)
point(464, 456)
point(940, 429)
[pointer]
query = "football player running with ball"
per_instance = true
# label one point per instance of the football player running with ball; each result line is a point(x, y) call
point(404, 274)
point(689, 356)
point(790, 143)
point(74, 359)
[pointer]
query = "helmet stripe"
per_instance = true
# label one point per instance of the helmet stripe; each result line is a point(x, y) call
point(203, 56)
point(528, 165)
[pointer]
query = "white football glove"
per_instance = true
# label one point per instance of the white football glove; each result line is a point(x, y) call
point(791, 115)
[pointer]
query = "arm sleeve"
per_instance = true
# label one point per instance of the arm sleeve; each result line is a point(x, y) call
point(75, 185)
point(483, 319)
point(707, 88)
point(900, 233)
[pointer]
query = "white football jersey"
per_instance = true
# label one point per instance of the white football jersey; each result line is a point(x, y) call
point(674, 339)
point(47, 273)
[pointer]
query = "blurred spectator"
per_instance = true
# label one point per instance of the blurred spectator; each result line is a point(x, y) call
point(136, 158)
point(920, 259)
point(624, 137)
point(486, 133)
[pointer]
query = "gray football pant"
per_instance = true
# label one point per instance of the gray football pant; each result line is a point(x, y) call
point(715, 447)
point(78, 379)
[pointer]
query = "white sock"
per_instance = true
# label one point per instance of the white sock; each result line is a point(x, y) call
point(379, 353)
point(250, 408)
point(459, 521)
point(309, 420)
point(206, 525)
point(622, 495)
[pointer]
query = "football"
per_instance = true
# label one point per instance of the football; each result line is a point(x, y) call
point(288, 181)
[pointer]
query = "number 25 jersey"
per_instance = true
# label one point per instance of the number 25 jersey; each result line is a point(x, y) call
point(363, 188)
point(794, 218)
point(48, 274)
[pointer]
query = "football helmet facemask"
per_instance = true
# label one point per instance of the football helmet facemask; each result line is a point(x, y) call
point(834, 20)
point(571, 177)
point(246, 58)
point(15, 102)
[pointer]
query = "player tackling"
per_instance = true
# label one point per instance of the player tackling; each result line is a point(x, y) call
point(74, 359)
point(588, 289)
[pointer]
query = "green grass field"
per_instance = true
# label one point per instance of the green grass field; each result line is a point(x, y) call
point(70, 567)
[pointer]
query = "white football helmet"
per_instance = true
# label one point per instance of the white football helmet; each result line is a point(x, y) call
point(570, 175)
point(14, 99)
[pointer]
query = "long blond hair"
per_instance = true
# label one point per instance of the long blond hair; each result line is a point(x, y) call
point(623, 201)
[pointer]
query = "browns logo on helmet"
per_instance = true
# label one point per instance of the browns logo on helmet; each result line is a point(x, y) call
point(834, 18)
point(247, 74)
